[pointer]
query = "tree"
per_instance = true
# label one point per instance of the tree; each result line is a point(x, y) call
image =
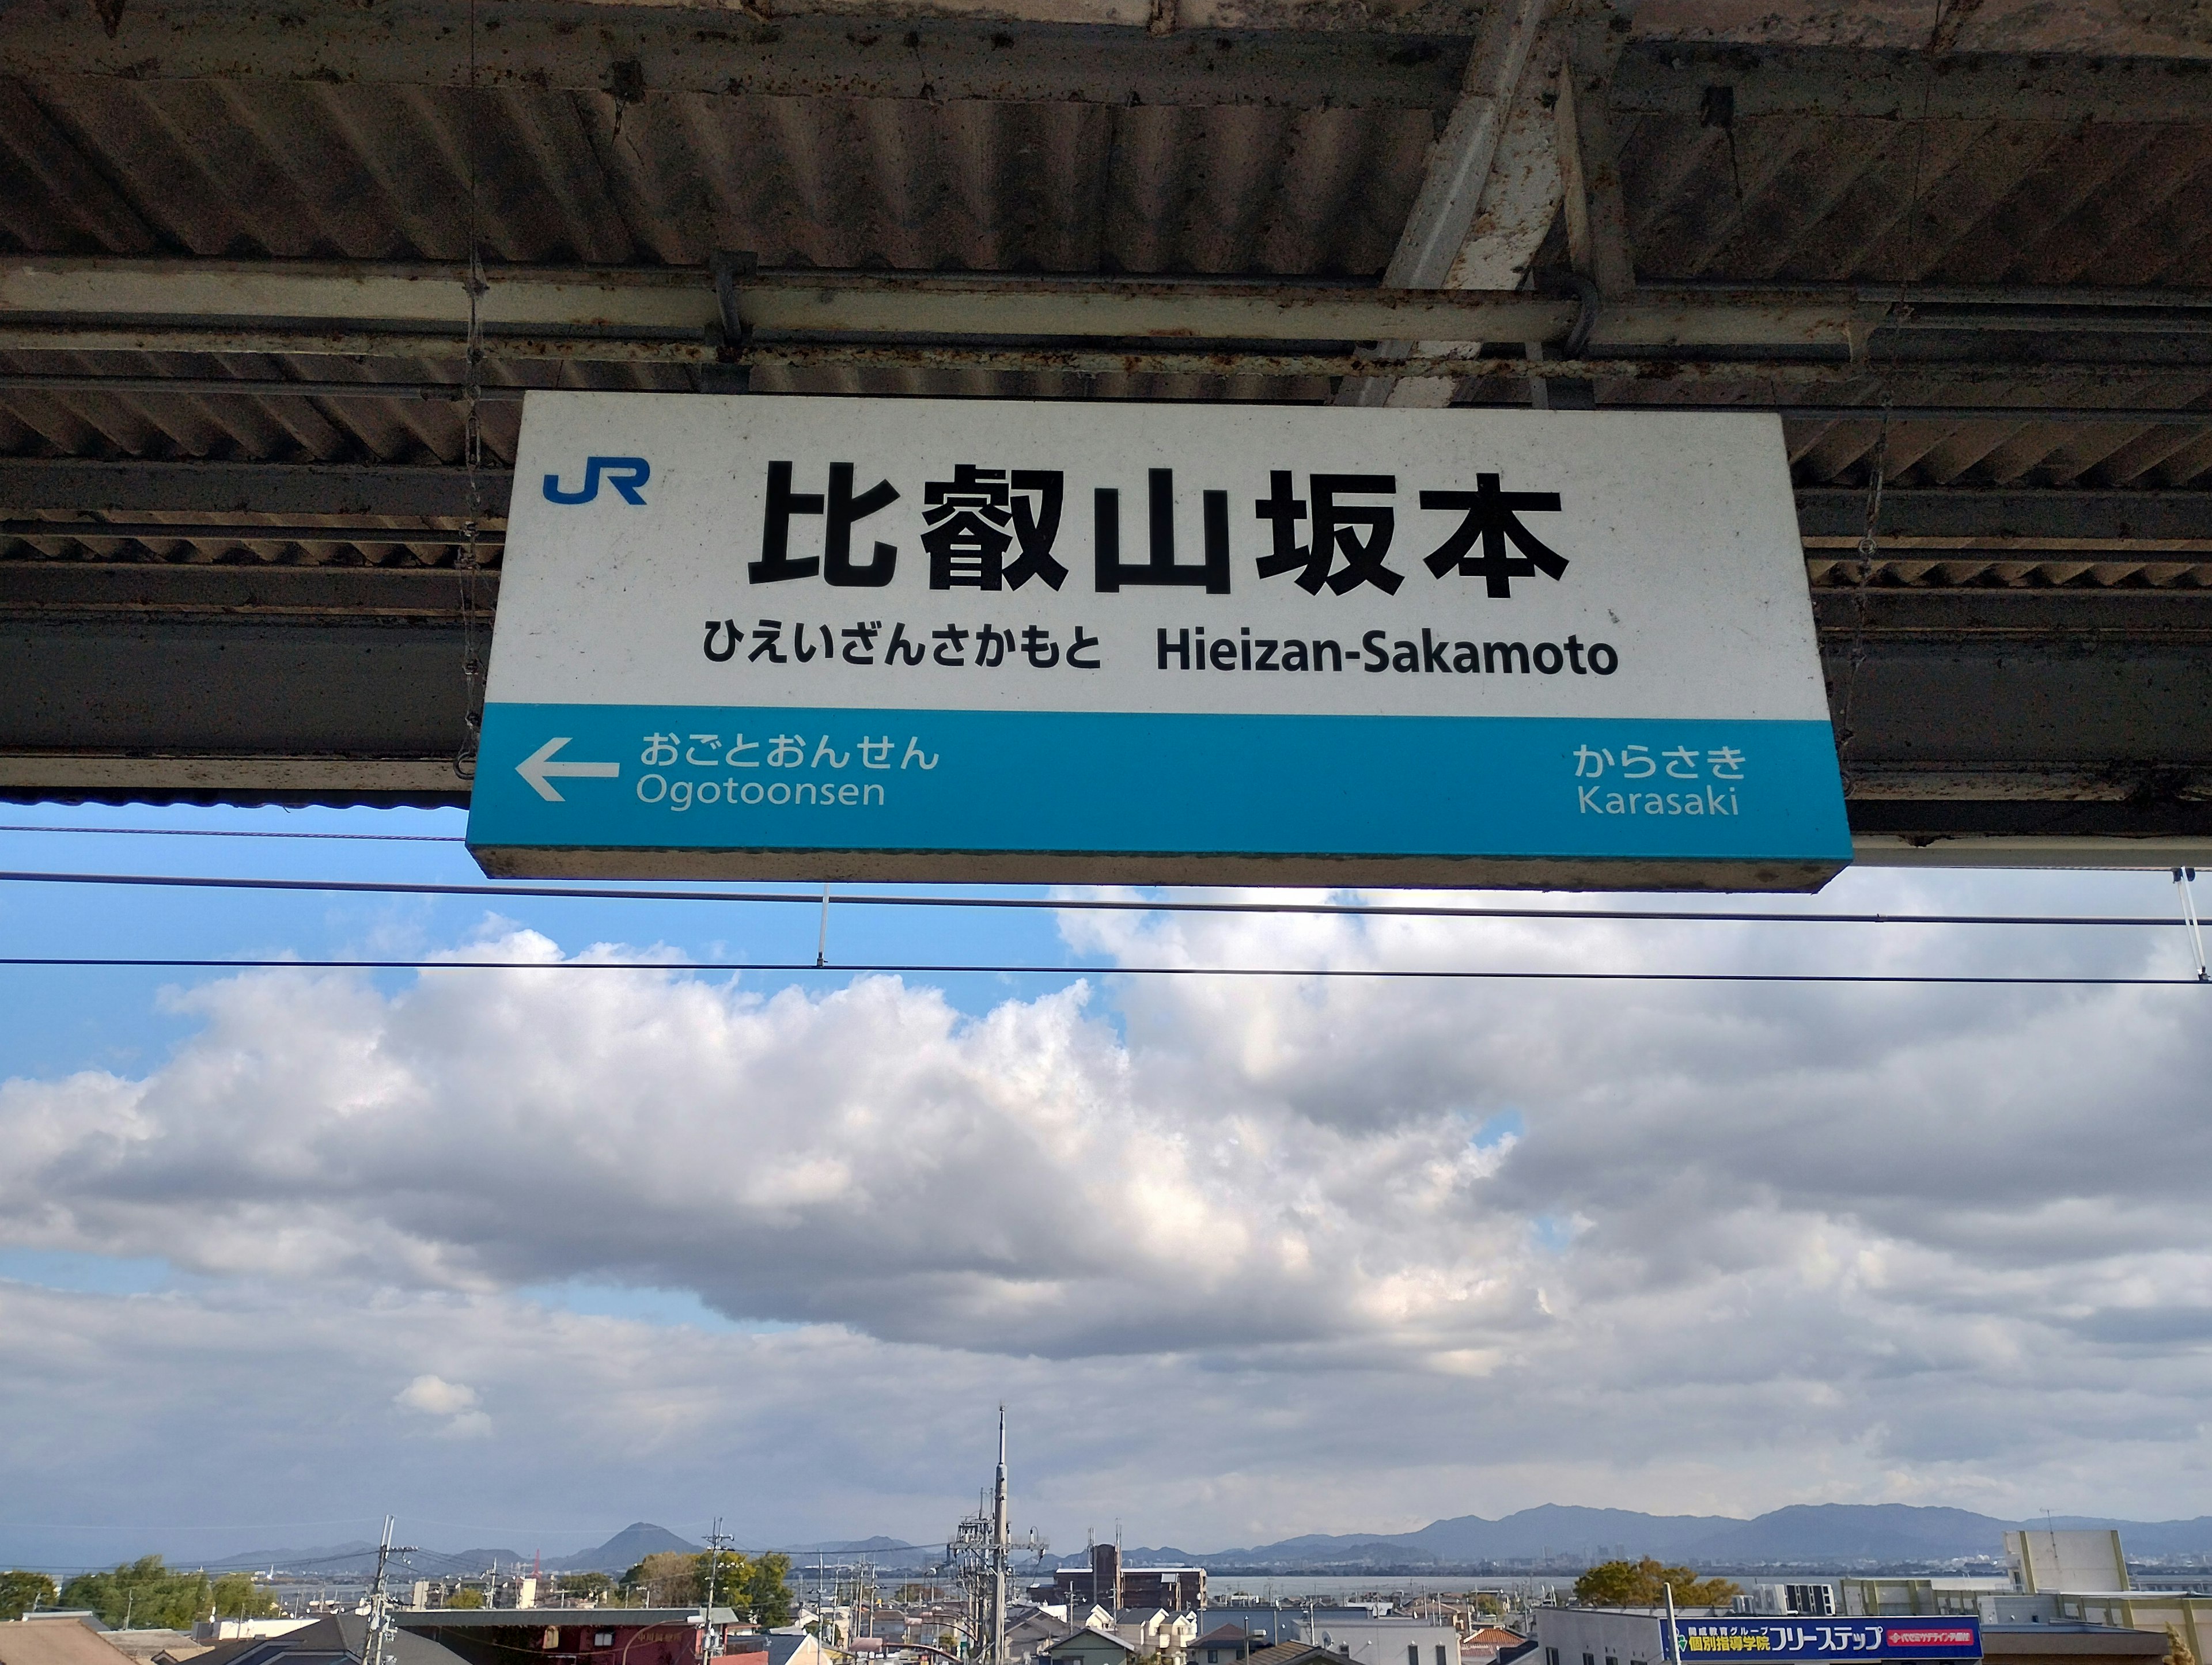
point(464, 1598)
point(729, 1569)
point(768, 1591)
point(142, 1594)
point(20, 1591)
point(670, 1579)
point(235, 1595)
point(592, 1586)
point(1643, 1584)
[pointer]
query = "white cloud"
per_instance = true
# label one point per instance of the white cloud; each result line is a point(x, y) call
point(455, 1401)
point(1252, 1256)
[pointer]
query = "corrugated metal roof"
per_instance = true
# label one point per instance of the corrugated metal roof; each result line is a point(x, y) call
point(1832, 199)
point(269, 168)
point(261, 169)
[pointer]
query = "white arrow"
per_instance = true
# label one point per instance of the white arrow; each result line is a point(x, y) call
point(540, 766)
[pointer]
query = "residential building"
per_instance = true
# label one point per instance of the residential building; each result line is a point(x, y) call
point(793, 1644)
point(1488, 1643)
point(57, 1640)
point(1368, 1641)
point(1268, 1625)
point(156, 1647)
point(1156, 1633)
point(1089, 1647)
point(1224, 1644)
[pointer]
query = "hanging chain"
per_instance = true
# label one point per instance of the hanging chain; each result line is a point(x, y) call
point(468, 564)
point(1862, 579)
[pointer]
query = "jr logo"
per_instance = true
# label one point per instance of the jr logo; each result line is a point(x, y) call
point(624, 474)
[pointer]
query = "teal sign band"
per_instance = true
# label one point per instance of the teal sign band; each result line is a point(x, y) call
point(689, 777)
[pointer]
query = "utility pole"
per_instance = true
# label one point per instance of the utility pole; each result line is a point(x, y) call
point(998, 1548)
point(372, 1647)
point(708, 1646)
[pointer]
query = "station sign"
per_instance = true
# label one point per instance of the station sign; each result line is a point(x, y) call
point(1826, 1638)
point(913, 640)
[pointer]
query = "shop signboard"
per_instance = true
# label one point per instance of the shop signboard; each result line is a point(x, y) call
point(892, 638)
point(1826, 1638)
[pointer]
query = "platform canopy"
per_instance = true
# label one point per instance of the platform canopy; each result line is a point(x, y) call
point(264, 269)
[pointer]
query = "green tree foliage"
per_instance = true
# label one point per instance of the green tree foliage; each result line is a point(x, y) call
point(466, 1597)
point(768, 1590)
point(591, 1586)
point(236, 1595)
point(670, 1579)
point(143, 1593)
point(753, 1586)
point(756, 1587)
point(1643, 1584)
point(20, 1591)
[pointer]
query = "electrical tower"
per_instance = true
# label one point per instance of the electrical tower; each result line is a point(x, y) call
point(979, 1555)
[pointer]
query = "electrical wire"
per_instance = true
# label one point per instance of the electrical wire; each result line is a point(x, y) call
point(1067, 904)
point(237, 832)
point(948, 969)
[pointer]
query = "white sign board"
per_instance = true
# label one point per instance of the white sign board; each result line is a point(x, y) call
point(918, 640)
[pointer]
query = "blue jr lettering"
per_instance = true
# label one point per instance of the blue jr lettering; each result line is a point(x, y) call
point(624, 474)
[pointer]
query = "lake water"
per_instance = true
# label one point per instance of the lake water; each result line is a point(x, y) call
point(1222, 1589)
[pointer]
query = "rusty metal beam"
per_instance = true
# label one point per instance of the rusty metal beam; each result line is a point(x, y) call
point(2095, 734)
point(1797, 336)
point(156, 486)
point(129, 486)
point(1966, 512)
point(633, 53)
point(1670, 78)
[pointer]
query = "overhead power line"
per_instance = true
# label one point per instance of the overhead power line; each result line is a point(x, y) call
point(948, 970)
point(235, 832)
point(1071, 904)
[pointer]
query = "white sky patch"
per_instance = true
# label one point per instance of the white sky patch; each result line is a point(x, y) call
point(1246, 1257)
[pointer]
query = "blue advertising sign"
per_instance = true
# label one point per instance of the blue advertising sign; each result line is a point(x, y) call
point(1827, 1638)
point(904, 640)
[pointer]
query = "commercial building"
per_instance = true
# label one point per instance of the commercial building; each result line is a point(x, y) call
point(1109, 1584)
point(2067, 1579)
point(338, 1639)
point(574, 1636)
point(1633, 1636)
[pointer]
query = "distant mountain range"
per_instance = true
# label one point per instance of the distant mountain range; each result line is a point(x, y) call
point(1838, 1535)
point(358, 1558)
point(1806, 1534)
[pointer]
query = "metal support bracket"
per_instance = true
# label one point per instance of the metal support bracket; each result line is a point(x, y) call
point(729, 373)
